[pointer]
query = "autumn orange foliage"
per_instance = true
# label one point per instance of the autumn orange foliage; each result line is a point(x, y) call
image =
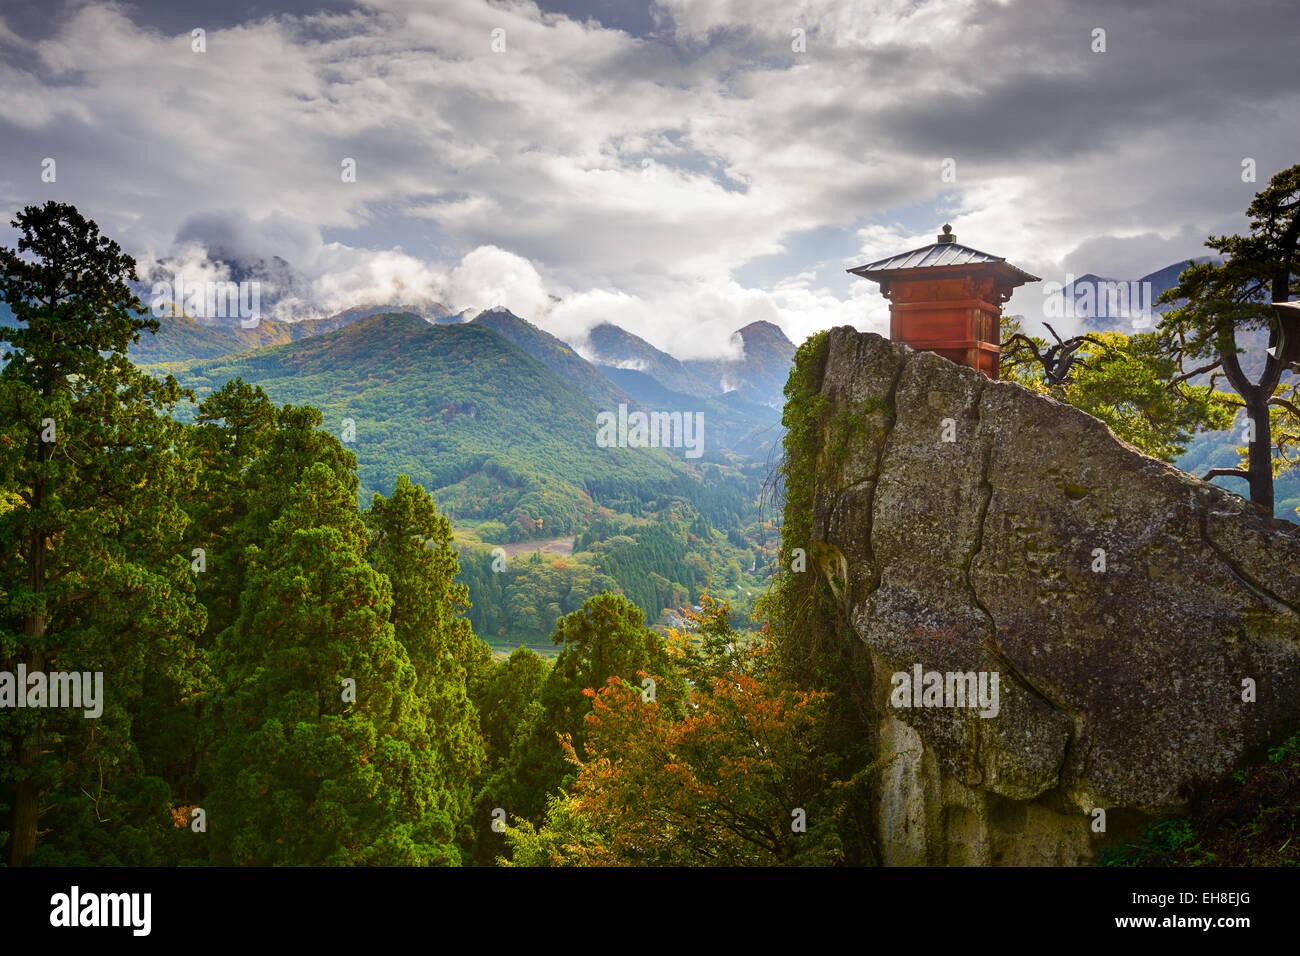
point(722, 767)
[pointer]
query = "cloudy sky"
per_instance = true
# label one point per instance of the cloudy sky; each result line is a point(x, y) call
point(681, 167)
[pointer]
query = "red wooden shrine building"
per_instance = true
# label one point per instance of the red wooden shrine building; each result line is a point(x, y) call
point(948, 298)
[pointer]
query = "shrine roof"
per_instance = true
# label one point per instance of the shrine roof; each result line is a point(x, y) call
point(947, 253)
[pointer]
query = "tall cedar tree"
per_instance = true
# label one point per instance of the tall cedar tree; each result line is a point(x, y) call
point(1221, 299)
point(504, 697)
point(233, 427)
point(92, 573)
point(252, 456)
point(411, 544)
point(305, 775)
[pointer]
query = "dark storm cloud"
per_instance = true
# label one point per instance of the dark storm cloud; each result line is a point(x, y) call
point(1164, 63)
point(38, 19)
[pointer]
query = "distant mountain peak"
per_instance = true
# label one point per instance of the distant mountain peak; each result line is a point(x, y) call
point(551, 351)
point(765, 327)
point(385, 318)
point(428, 309)
point(500, 311)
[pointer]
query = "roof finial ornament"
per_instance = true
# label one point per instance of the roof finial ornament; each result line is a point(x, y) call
point(947, 234)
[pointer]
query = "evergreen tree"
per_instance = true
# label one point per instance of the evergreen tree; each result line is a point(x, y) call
point(92, 573)
point(504, 700)
point(233, 428)
point(327, 753)
point(1219, 299)
point(410, 543)
point(297, 444)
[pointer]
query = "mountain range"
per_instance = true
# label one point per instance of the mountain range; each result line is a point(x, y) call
point(496, 417)
point(181, 337)
point(757, 377)
point(489, 429)
point(1106, 313)
point(740, 399)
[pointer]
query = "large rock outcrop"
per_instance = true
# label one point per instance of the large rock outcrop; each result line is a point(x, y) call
point(969, 525)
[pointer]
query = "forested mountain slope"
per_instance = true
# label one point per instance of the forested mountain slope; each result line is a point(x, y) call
point(491, 430)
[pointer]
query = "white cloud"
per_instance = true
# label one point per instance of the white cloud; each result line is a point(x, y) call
point(489, 277)
point(351, 277)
